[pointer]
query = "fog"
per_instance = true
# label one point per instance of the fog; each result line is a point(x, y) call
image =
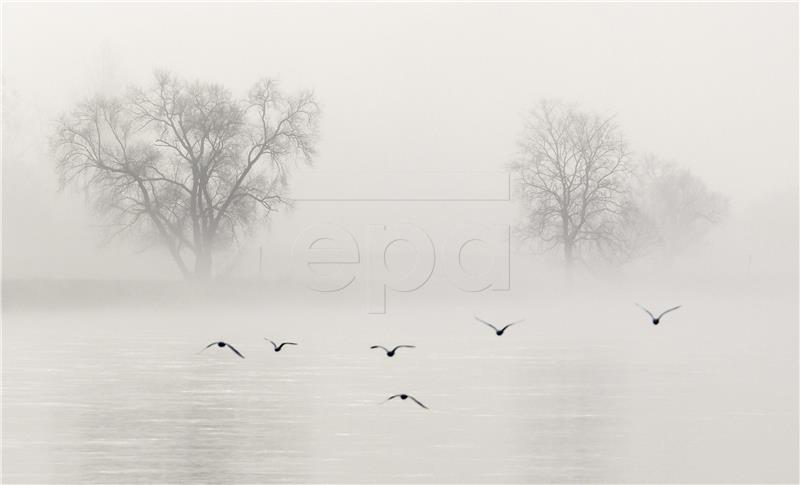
point(411, 88)
point(422, 109)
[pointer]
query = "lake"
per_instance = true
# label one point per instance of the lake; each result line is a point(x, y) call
point(116, 390)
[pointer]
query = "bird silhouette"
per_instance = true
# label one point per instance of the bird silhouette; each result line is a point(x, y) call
point(390, 353)
point(406, 396)
point(498, 331)
point(278, 347)
point(658, 318)
point(224, 344)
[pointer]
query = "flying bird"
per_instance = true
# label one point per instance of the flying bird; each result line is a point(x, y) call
point(390, 353)
point(406, 396)
point(658, 318)
point(278, 347)
point(224, 344)
point(498, 331)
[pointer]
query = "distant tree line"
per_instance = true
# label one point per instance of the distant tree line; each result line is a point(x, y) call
point(193, 168)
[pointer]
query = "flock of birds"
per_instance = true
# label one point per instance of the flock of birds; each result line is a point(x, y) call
point(391, 352)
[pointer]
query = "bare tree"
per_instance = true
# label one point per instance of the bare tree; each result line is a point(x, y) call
point(676, 206)
point(572, 172)
point(186, 162)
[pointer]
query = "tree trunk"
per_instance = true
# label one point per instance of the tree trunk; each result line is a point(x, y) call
point(569, 262)
point(185, 271)
point(203, 265)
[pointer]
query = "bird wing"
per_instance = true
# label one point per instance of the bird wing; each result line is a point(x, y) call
point(415, 400)
point(403, 347)
point(512, 323)
point(234, 350)
point(379, 347)
point(209, 345)
point(648, 311)
point(391, 397)
point(667, 311)
point(485, 322)
point(285, 343)
point(270, 341)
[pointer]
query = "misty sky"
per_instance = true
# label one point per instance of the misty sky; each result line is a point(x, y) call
point(409, 88)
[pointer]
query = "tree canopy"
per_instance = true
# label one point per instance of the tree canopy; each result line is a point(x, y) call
point(572, 171)
point(583, 191)
point(185, 163)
